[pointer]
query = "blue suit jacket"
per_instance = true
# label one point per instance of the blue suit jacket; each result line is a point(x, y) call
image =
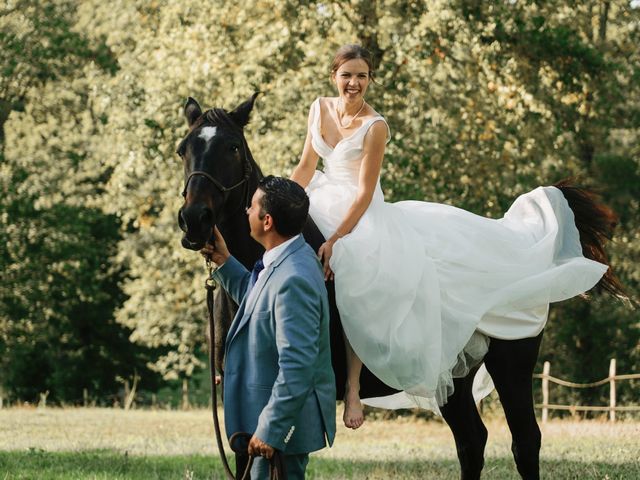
point(278, 379)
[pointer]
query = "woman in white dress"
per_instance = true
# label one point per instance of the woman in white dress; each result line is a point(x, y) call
point(420, 285)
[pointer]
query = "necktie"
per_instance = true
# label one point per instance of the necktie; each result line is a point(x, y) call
point(257, 268)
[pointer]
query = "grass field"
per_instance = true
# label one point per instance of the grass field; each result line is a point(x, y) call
point(111, 444)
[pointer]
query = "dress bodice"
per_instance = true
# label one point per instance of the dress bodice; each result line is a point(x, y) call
point(341, 162)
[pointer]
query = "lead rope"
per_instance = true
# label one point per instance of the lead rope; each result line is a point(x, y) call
point(276, 463)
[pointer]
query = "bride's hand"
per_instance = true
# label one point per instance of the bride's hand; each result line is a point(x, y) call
point(324, 254)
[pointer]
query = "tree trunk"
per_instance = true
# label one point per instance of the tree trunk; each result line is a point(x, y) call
point(5, 110)
point(365, 19)
point(472, 9)
point(604, 18)
point(589, 26)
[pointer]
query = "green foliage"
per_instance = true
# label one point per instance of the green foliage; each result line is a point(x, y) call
point(485, 100)
point(57, 297)
point(58, 288)
point(39, 44)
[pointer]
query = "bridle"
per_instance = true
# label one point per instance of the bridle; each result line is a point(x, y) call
point(218, 116)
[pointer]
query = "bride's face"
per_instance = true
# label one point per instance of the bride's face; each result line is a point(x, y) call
point(352, 80)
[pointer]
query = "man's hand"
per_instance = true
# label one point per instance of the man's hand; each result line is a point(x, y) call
point(218, 253)
point(258, 447)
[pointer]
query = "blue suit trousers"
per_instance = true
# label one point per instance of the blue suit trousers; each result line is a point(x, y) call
point(294, 464)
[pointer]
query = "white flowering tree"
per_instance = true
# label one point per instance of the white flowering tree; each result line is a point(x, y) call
point(485, 101)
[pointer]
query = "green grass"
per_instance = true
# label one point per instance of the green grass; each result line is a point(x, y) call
point(107, 444)
point(103, 464)
point(109, 465)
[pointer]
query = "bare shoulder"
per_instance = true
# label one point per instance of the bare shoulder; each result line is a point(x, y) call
point(370, 112)
point(327, 103)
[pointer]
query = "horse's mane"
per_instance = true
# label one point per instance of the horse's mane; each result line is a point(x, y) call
point(219, 116)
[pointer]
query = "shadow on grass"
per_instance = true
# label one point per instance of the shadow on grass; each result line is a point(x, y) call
point(111, 465)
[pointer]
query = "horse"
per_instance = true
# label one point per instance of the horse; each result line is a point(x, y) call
point(220, 177)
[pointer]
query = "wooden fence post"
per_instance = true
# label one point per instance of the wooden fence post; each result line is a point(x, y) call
point(85, 397)
point(545, 391)
point(131, 396)
point(185, 394)
point(612, 390)
point(126, 393)
point(42, 404)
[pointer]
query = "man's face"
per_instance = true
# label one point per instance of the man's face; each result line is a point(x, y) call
point(256, 224)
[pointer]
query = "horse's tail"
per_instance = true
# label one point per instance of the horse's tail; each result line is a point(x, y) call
point(595, 222)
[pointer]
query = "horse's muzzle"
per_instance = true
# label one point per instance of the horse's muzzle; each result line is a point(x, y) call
point(196, 221)
point(188, 244)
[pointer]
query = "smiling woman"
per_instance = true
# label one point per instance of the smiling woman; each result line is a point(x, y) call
point(338, 123)
point(421, 286)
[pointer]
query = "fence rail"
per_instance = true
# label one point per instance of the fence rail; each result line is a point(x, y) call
point(612, 408)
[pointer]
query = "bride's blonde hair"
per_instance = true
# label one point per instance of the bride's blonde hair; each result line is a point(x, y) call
point(352, 52)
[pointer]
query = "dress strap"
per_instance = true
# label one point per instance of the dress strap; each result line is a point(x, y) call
point(318, 143)
point(378, 118)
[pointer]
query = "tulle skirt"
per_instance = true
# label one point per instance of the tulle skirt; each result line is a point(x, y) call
point(421, 286)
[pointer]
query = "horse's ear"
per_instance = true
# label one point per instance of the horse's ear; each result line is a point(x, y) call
point(192, 111)
point(240, 115)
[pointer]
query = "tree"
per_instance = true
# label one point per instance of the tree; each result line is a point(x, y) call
point(58, 289)
point(57, 297)
point(485, 100)
point(40, 45)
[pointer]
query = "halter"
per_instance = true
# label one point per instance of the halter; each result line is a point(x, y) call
point(218, 116)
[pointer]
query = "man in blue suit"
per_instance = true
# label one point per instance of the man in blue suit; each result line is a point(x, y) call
point(278, 379)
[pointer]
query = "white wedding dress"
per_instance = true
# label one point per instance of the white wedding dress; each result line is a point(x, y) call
point(421, 285)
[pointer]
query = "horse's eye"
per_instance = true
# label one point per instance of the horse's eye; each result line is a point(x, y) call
point(235, 148)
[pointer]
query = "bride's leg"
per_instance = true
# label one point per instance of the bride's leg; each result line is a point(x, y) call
point(353, 416)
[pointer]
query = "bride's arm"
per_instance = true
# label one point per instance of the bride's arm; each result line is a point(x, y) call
point(303, 173)
point(373, 153)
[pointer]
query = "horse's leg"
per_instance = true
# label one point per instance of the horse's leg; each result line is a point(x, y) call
point(511, 364)
point(461, 414)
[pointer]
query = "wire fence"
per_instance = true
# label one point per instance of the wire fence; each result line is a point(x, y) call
point(612, 408)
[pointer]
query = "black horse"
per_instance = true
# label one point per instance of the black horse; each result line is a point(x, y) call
point(220, 178)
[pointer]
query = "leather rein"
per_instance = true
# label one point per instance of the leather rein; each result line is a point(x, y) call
point(277, 467)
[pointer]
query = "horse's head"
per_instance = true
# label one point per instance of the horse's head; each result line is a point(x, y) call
point(218, 169)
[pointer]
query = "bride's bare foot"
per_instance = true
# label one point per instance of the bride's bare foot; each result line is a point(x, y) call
point(353, 416)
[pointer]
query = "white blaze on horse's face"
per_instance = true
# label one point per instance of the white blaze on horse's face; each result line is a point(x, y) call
point(207, 133)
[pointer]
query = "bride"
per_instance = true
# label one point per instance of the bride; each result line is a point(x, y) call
point(421, 286)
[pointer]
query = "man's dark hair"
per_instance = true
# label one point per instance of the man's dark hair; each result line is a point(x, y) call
point(286, 202)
